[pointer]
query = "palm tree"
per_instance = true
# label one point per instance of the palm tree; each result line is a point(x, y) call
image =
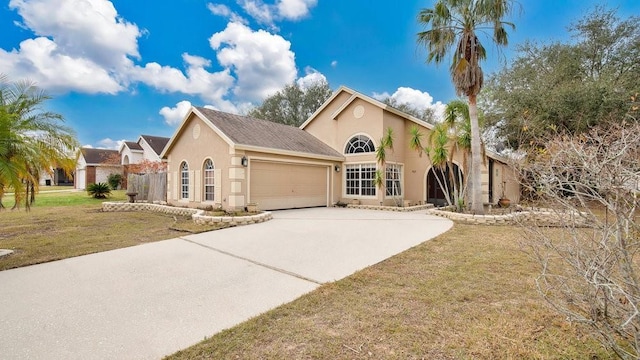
point(386, 143)
point(446, 139)
point(31, 140)
point(453, 25)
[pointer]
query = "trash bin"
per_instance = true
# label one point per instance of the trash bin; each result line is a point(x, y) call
point(47, 182)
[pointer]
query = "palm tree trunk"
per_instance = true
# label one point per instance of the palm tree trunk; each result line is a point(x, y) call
point(476, 159)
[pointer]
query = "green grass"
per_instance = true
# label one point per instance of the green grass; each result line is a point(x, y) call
point(468, 294)
point(67, 198)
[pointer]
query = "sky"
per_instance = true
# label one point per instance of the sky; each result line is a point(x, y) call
point(118, 69)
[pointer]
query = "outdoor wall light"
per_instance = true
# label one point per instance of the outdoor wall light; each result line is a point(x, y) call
point(337, 168)
point(244, 161)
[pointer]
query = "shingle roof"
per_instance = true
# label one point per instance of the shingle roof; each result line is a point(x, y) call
point(157, 143)
point(100, 156)
point(245, 130)
point(133, 145)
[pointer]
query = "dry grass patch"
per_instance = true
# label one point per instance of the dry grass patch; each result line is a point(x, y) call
point(468, 294)
point(57, 232)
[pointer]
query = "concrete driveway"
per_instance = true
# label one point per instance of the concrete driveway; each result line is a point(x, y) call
point(151, 300)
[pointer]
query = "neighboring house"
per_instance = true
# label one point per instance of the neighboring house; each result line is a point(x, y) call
point(56, 176)
point(95, 165)
point(219, 159)
point(146, 148)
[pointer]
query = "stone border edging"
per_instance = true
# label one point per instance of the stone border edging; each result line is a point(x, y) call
point(197, 215)
point(391, 208)
point(540, 217)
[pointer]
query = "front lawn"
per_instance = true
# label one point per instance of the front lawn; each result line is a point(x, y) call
point(468, 294)
point(67, 224)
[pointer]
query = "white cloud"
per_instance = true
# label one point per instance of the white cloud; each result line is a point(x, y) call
point(40, 60)
point(268, 14)
point(258, 10)
point(211, 87)
point(110, 144)
point(415, 98)
point(225, 11)
point(334, 63)
point(90, 29)
point(312, 77)
point(219, 9)
point(86, 46)
point(262, 62)
point(295, 9)
point(80, 45)
point(174, 116)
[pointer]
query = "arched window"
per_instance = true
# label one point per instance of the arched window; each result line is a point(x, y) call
point(359, 144)
point(184, 180)
point(209, 182)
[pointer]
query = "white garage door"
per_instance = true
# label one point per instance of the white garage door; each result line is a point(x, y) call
point(80, 179)
point(286, 186)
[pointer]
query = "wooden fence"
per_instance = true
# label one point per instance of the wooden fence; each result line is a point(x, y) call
point(150, 187)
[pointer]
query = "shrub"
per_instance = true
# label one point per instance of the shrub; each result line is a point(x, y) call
point(114, 181)
point(99, 190)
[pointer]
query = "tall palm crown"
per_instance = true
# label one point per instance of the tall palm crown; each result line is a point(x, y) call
point(456, 22)
point(453, 25)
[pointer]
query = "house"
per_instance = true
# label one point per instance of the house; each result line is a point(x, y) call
point(219, 159)
point(146, 148)
point(95, 165)
point(55, 176)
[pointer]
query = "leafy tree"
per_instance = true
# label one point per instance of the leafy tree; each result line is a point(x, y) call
point(294, 104)
point(31, 140)
point(427, 115)
point(452, 25)
point(567, 87)
point(99, 190)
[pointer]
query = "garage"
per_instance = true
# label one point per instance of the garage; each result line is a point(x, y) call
point(278, 185)
point(80, 179)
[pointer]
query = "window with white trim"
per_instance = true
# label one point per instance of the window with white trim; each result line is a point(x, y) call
point(393, 184)
point(209, 180)
point(184, 180)
point(360, 179)
point(359, 144)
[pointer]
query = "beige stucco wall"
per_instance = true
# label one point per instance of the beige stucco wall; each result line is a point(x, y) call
point(195, 152)
point(363, 117)
point(505, 179)
point(233, 179)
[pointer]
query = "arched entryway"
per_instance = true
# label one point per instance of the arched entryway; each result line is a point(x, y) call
point(434, 191)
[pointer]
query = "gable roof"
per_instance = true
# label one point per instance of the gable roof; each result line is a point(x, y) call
point(133, 146)
point(99, 156)
point(356, 95)
point(249, 133)
point(157, 143)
